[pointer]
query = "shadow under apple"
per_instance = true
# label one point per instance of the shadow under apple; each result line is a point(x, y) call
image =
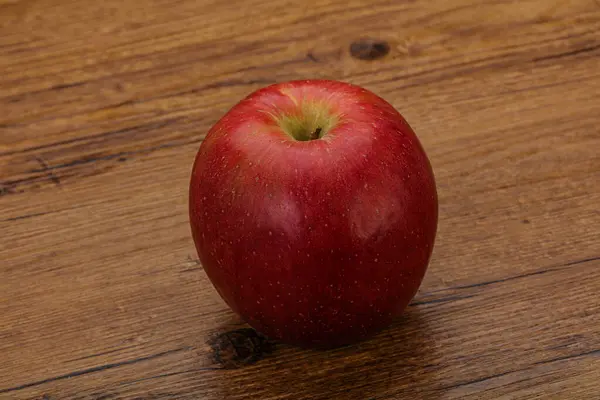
point(398, 362)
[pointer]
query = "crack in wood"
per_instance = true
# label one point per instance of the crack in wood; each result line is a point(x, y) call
point(103, 353)
point(8, 187)
point(510, 278)
point(570, 53)
point(20, 217)
point(93, 370)
point(137, 128)
point(499, 375)
point(595, 352)
point(45, 167)
point(441, 300)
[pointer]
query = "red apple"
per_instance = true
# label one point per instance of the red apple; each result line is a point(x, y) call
point(313, 208)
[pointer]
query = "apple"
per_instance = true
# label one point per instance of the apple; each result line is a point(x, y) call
point(313, 209)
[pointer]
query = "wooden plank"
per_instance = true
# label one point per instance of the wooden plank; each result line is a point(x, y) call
point(104, 106)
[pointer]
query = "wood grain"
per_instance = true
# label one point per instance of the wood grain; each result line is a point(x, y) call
point(104, 104)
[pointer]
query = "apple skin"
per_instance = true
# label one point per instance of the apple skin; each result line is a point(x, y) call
point(316, 243)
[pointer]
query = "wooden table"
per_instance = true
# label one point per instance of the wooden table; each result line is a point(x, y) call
point(103, 106)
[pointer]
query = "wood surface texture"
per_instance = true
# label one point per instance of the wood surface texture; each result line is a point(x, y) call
point(103, 105)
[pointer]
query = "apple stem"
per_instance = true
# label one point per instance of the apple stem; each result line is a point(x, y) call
point(315, 134)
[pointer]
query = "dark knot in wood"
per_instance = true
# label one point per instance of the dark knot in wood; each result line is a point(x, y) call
point(369, 49)
point(238, 348)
